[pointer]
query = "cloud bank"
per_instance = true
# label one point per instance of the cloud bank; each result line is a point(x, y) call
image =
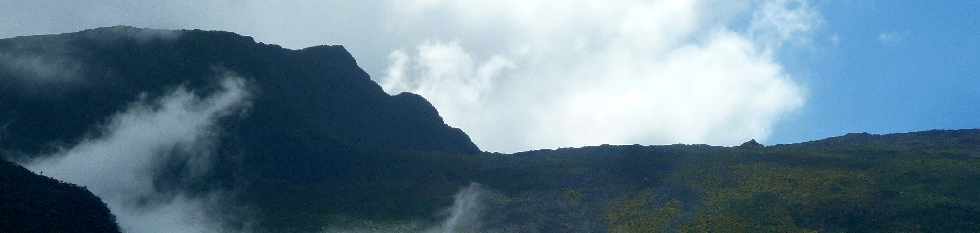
point(519, 75)
point(120, 166)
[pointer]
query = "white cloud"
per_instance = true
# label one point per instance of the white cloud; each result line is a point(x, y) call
point(453, 78)
point(120, 166)
point(778, 21)
point(518, 74)
point(592, 72)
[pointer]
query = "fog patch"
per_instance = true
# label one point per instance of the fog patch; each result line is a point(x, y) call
point(40, 69)
point(119, 166)
point(141, 35)
point(464, 216)
point(22, 62)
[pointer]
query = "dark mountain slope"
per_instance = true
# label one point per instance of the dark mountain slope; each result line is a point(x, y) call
point(56, 87)
point(322, 147)
point(314, 116)
point(910, 182)
point(33, 203)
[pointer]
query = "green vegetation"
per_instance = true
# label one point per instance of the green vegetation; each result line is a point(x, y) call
point(917, 182)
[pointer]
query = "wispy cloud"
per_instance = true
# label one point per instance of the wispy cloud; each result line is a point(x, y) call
point(40, 69)
point(776, 22)
point(121, 166)
point(58, 65)
point(892, 38)
point(464, 215)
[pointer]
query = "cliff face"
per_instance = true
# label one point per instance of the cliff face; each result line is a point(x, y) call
point(33, 203)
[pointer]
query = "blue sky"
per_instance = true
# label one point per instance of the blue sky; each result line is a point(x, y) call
point(894, 68)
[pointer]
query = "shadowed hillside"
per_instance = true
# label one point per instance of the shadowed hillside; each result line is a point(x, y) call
point(318, 146)
point(311, 111)
point(58, 86)
point(33, 203)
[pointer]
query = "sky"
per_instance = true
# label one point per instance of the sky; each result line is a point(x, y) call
point(886, 67)
point(519, 75)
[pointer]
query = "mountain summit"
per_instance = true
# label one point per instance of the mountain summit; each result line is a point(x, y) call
point(751, 144)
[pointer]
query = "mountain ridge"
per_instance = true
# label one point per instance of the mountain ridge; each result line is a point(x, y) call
point(102, 65)
point(321, 146)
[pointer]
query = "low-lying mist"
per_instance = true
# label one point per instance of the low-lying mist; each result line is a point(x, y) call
point(119, 165)
point(463, 216)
